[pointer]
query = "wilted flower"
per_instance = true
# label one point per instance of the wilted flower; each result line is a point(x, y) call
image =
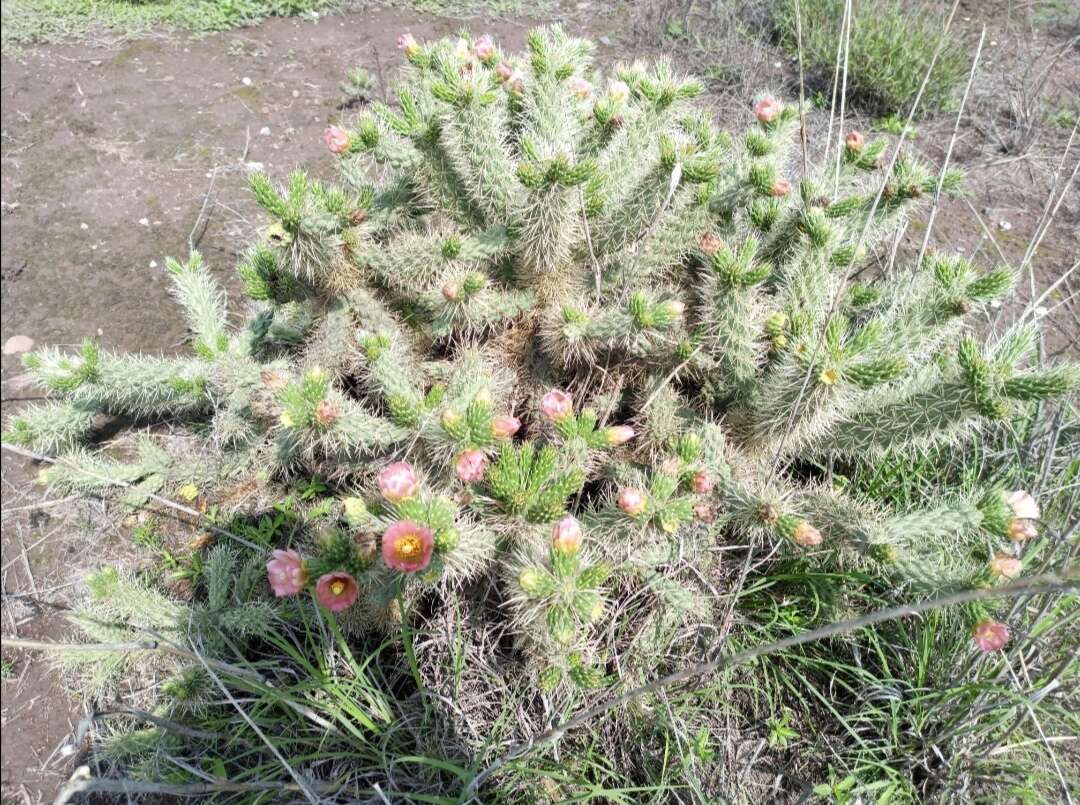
point(618, 91)
point(557, 405)
point(701, 482)
point(632, 500)
point(710, 243)
point(854, 141)
point(806, 535)
point(580, 87)
point(408, 44)
point(1023, 504)
point(1022, 530)
point(504, 71)
point(780, 188)
point(326, 413)
point(767, 109)
point(619, 434)
point(407, 546)
point(505, 426)
point(484, 48)
point(990, 635)
point(470, 466)
point(566, 535)
point(704, 512)
point(336, 591)
point(398, 482)
point(275, 381)
point(286, 573)
point(1005, 566)
point(336, 139)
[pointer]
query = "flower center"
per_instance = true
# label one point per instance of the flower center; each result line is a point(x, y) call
point(407, 547)
point(337, 587)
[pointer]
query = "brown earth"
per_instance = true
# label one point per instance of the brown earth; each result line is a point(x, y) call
point(115, 156)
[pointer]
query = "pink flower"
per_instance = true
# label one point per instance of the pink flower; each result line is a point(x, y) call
point(451, 292)
point(767, 109)
point(780, 188)
point(1005, 566)
point(701, 482)
point(619, 434)
point(566, 535)
point(505, 426)
point(631, 500)
point(407, 546)
point(398, 482)
point(1023, 505)
point(336, 139)
point(990, 635)
point(557, 405)
point(618, 91)
point(470, 466)
point(504, 71)
point(484, 48)
point(854, 141)
point(408, 44)
point(336, 591)
point(806, 535)
point(286, 573)
point(580, 87)
point(1022, 530)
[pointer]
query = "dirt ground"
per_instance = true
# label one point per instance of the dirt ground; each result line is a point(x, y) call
point(117, 155)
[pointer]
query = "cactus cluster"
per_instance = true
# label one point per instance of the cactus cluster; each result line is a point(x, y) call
point(558, 332)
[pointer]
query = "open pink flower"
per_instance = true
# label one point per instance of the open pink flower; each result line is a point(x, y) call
point(484, 48)
point(336, 591)
point(398, 482)
point(286, 573)
point(470, 466)
point(854, 141)
point(1023, 505)
point(566, 535)
point(701, 482)
point(632, 500)
point(579, 87)
point(505, 426)
point(407, 546)
point(1005, 566)
point(767, 109)
point(336, 139)
point(806, 535)
point(780, 188)
point(619, 434)
point(408, 44)
point(557, 405)
point(990, 635)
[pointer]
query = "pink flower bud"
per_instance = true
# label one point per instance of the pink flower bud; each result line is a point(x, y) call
point(1023, 505)
point(285, 573)
point(806, 535)
point(618, 91)
point(408, 44)
point(632, 501)
point(990, 635)
point(767, 109)
point(451, 292)
point(854, 141)
point(484, 48)
point(619, 434)
point(579, 87)
point(398, 482)
point(566, 535)
point(336, 139)
point(505, 426)
point(1005, 566)
point(470, 466)
point(557, 405)
point(504, 71)
point(701, 482)
point(1022, 530)
point(780, 188)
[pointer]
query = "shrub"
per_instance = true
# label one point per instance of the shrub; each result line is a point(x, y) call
point(891, 47)
point(568, 341)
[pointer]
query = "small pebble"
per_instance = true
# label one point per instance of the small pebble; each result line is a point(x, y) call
point(1004, 226)
point(245, 81)
point(18, 344)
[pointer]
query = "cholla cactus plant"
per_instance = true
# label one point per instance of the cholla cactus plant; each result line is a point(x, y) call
point(556, 329)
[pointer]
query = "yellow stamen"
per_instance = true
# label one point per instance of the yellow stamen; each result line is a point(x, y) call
point(337, 587)
point(407, 547)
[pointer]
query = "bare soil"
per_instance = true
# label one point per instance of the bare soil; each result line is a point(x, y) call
point(115, 156)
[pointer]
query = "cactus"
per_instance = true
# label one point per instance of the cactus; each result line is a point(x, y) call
point(664, 310)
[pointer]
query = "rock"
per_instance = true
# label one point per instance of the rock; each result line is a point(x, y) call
point(18, 344)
